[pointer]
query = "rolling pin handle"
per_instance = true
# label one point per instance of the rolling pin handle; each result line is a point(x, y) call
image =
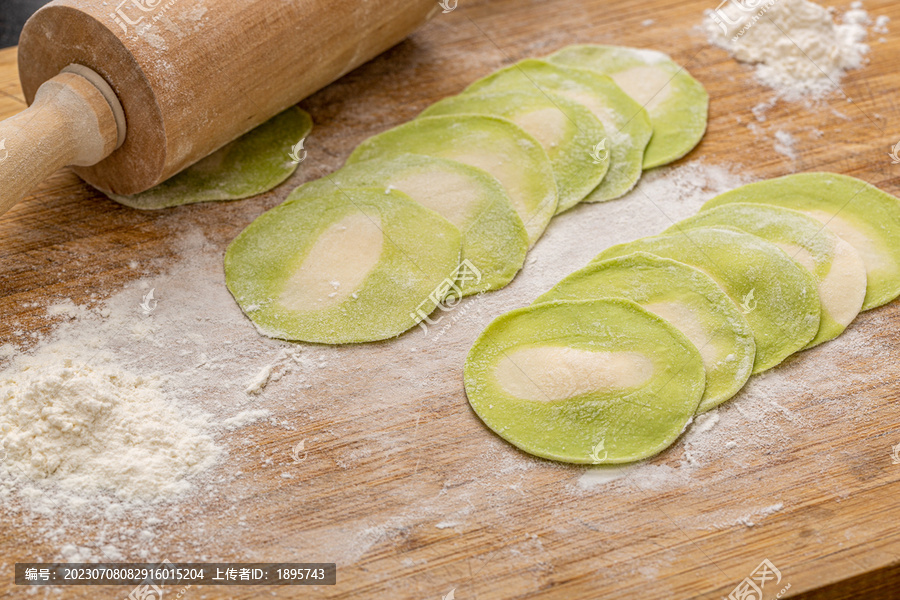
point(75, 119)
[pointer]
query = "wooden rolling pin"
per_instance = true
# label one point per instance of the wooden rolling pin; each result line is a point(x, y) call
point(130, 92)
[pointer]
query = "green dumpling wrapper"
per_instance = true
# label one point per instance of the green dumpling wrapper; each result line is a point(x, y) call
point(685, 297)
point(494, 239)
point(837, 267)
point(625, 121)
point(566, 130)
point(778, 297)
point(857, 212)
point(589, 382)
point(349, 266)
point(492, 144)
point(676, 102)
point(253, 164)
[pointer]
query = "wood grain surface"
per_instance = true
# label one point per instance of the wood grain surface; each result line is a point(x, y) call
point(392, 437)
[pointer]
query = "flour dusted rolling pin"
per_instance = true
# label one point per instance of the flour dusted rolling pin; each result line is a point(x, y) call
point(130, 92)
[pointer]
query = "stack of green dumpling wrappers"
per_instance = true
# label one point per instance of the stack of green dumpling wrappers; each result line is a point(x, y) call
point(613, 363)
point(605, 367)
point(497, 163)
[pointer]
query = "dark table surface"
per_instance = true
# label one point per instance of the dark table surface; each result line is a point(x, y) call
point(13, 14)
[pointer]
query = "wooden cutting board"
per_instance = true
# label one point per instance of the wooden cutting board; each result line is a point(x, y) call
point(403, 487)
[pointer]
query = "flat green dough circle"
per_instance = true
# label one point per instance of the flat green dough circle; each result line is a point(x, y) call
point(495, 145)
point(625, 121)
point(354, 265)
point(595, 381)
point(838, 269)
point(676, 102)
point(857, 212)
point(494, 239)
point(685, 297)
point(567, 131)
point(777, 296)
point(251, 165)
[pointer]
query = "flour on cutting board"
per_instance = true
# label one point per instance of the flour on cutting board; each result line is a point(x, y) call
point(784, 144)
point(95, 428)
point(314, 417)
point(246, 417)
point(797, 48)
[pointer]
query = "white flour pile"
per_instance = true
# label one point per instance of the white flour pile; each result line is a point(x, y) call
point(797, 47)
point(92, 428)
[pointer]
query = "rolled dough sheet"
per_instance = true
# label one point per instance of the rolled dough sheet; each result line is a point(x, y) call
point(591, 382)
point(253, 164)
point(353, 265)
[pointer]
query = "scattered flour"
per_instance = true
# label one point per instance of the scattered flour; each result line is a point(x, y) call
point(95, 428)
point(601, 475)
point(706, 421)
point(784, 144)
point(272, 372)
point(728, 518)
point(260, 381)
point(65, 308)
point(759, 111)
point(247, 417)
point(797, 47)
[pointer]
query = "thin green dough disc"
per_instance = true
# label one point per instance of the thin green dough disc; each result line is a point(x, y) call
point(567, 130)
point(676, 102)
point(839, 271)
point(494, 239)
point(495, 145)
point(625, 121)
point(596, 381)
point(355, 265)
point(859, 213)
point(777, 295)
point(685, 297)
point(251, 165)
